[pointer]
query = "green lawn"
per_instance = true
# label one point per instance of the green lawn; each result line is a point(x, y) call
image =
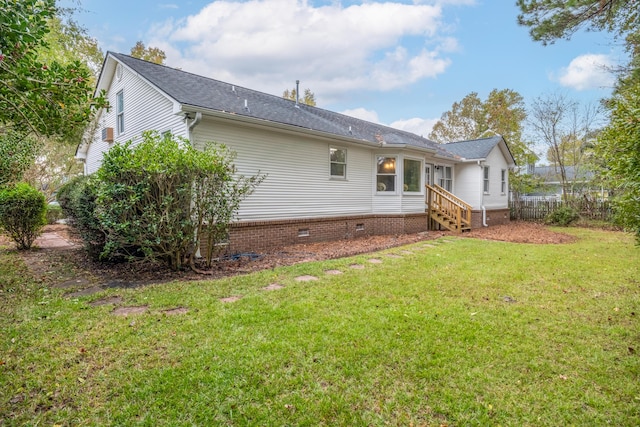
point(465, 332)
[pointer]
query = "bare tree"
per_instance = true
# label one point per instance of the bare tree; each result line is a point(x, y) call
point(561, 124)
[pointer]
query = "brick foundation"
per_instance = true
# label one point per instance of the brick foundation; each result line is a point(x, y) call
point(256, 236)
point(494, 217)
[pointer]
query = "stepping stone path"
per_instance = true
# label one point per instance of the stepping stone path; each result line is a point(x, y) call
point(428, 246)
point(231, 299)
point(306, 278)
point(357, 266)
point(273, 287)
point(125, 311)
point(333, 272)
point(375, 261)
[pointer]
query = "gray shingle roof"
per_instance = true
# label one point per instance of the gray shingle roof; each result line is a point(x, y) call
point(475, 148)
point(202, 92)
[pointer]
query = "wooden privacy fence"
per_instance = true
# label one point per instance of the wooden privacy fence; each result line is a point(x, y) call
point(537, 209)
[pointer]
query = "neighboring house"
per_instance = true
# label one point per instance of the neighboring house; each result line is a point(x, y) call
point(579, 182)
point(329, 176)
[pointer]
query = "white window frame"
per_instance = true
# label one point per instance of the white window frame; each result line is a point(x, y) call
point(446, 182)
point(381, 186)
point(332, 162)
point(503, 181)
point(420, 175)
point(486, 173)
point(120, 112)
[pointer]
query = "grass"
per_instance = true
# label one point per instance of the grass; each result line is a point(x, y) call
point(466, 332)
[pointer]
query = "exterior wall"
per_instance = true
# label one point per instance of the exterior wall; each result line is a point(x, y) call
point(255, 236)
point(494, 217)
point(298, 182)
point(468, 183)
point(145, 108)
point(496, 199)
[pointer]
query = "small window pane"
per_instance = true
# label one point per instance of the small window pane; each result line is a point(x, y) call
point(386, 165)
point(412, 169)
point(338, 162)
point(386, 183)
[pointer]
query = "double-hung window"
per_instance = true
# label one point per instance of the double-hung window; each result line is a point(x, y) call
point(386, 174)
point(412, 175)
point(503, 181)
point(120, 112)
point(485, 181)
point(446, 180)
point(338, 161)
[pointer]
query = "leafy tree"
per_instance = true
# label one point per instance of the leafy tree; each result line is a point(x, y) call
point(46, 98)
point(560, 125)
point(151, 54)
point(17, 154)
point(465, 120)
point(309, 98)
point(550, 20)
point(619, 147)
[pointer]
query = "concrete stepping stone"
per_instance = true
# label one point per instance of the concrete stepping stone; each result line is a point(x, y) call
point(333, 272)
point(231, 298)
point(125, 311)
point(306, 278)
point(273, 287)
point(357, 266)
point(375, 261)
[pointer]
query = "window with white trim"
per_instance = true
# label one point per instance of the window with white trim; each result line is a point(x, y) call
point(503, 181)
point(338, 161)
point(386, 174)
point(485, 185)
point(120, 112)
point(412, 172)
point(446, 180)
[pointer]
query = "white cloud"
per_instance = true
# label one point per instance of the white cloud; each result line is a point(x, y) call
point(363, 114)
point(589, 71)
point(333, 49)
point(415, 125)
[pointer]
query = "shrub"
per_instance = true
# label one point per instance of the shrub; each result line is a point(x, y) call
point(77, 200)
point(154, 198)
point(562, 216)
point(22, 213)
point(54, 213)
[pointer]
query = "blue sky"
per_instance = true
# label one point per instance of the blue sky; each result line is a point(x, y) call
point(398, 63)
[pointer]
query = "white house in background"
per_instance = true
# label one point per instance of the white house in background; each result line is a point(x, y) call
point(329, 176)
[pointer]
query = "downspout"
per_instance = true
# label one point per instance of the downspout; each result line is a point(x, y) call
point(191, 125)
point(484, 210)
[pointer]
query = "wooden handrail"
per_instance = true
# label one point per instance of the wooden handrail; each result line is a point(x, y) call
point(444, 204)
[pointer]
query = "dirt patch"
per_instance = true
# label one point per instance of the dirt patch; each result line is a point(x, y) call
point(233, 298)
point(273, 287)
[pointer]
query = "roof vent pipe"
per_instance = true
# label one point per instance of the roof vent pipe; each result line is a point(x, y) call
point(297, 91)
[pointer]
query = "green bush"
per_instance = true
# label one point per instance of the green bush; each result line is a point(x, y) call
point(154, 198)
point(22, 213)
point(54, 213)
point(77, 200)
point(562, 216)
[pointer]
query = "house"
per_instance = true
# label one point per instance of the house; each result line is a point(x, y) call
point(329, 176)
point(579, 181)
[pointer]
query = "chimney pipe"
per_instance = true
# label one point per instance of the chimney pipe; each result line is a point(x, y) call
point(297, 91)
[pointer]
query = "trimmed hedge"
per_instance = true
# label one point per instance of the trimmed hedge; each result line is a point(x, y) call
point(22, 213)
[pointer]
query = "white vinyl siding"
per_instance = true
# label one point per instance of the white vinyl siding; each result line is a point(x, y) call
point(145, 108)
point(296, 184)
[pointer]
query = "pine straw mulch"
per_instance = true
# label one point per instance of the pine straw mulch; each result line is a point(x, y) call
point(65, 267)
